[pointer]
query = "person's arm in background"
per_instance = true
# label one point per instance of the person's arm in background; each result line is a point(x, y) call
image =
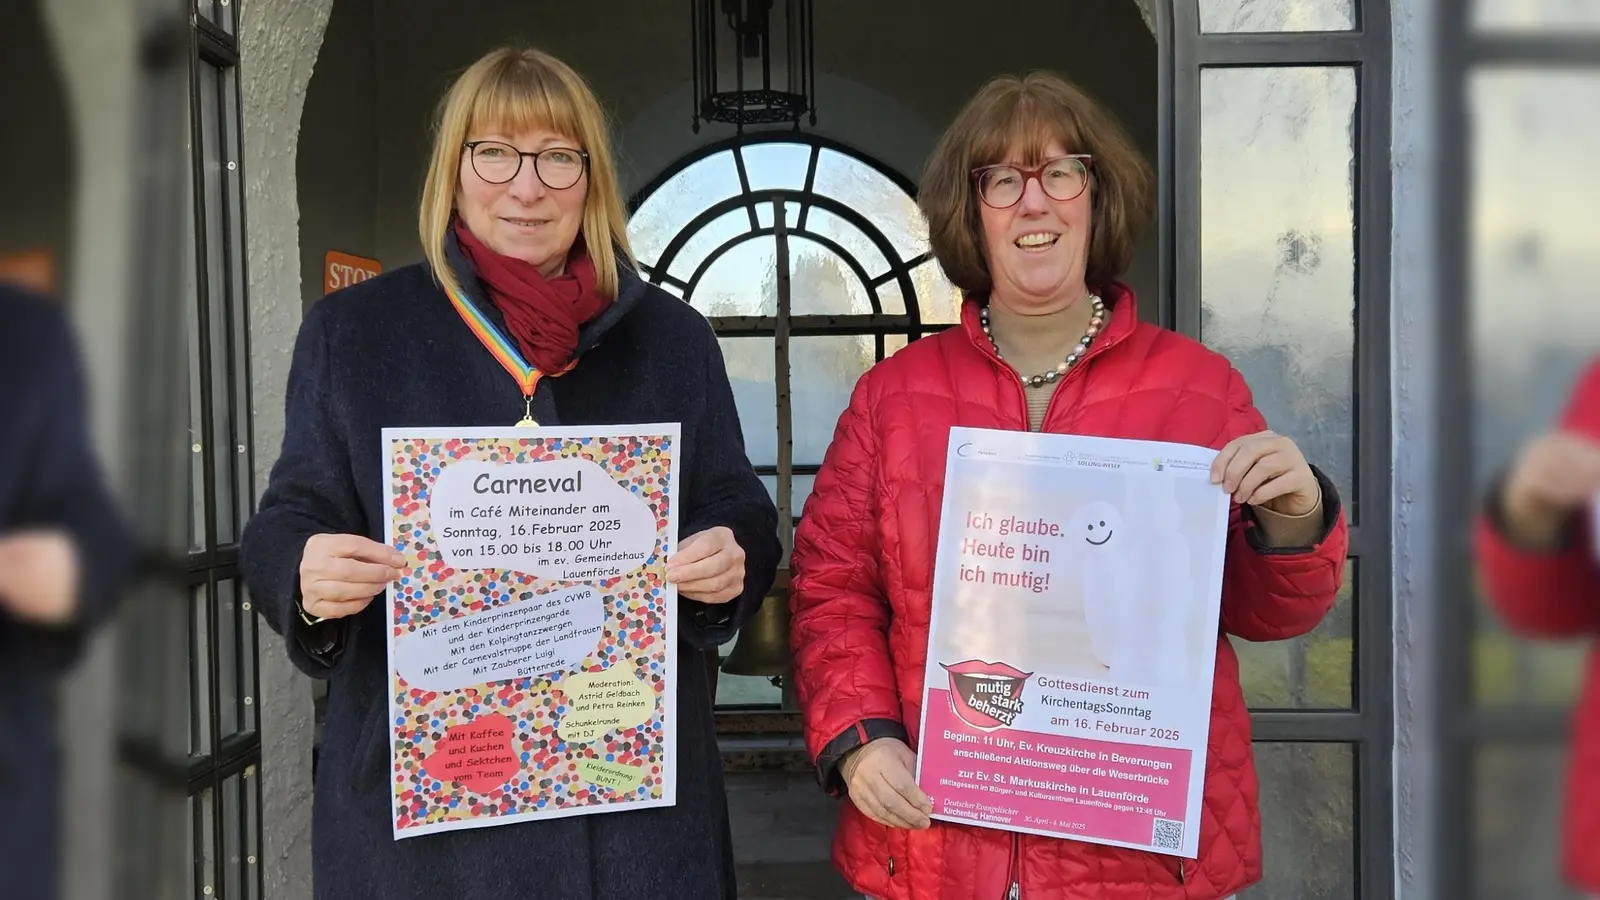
point(1535, 549)
point(65, 551)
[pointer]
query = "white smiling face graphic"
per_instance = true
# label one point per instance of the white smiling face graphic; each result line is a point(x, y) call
point(1095, 523)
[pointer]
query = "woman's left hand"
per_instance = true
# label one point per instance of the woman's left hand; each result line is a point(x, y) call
point(709, 566)
point(1266, 469)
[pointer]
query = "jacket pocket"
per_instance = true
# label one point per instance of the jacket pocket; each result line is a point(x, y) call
point(367, 757)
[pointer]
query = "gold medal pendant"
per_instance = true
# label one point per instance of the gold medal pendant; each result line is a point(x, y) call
point(527, 414)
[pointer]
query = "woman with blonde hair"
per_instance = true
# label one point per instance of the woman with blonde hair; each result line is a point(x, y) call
point(522, 226)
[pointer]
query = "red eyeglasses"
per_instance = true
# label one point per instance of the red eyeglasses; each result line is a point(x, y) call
point(1063, 178)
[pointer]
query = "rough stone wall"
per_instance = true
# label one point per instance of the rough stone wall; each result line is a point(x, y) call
point(279, 40)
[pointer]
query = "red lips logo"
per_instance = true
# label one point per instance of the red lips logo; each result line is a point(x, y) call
point(986, 695)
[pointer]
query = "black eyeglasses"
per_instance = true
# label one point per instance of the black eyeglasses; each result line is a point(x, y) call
point(498, 162)
point(1064, 178)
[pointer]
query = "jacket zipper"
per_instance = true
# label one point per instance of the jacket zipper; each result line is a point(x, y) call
point(1015, 891)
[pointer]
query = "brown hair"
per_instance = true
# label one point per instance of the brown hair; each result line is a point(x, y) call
point(1023, 115)
point(516, 90)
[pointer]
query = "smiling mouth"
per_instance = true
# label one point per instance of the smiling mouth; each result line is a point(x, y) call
point(525, 223)
point(1036, 243)
point(1100, 543)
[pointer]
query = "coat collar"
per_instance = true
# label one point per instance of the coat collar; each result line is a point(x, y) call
point(1118, 298)
point(630, 288)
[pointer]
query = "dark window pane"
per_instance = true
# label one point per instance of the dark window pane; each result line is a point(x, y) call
point(199, 659)
point(249, 653)
point(1518, 796)
point(1277, 249)
point(153, 660)
point(204, 820)
point(244, 494)
point(230, 701)
point(231, 868)
point(197, 428)
point(156, 658)
point(220, 435)
point(1310, 672)
point(252, 832)
point(156, 843)
point(1307, 822)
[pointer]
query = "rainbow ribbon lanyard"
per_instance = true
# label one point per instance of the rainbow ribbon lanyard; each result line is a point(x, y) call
point(503, 350)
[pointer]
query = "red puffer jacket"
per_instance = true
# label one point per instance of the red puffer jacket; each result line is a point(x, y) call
point(861, 600)
point(1557, 594)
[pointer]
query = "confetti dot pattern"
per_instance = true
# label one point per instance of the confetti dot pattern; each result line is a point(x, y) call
point(633, 639)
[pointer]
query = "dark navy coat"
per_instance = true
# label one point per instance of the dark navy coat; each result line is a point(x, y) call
point(392, 351)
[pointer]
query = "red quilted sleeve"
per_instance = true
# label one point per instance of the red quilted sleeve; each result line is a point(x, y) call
point(1276, 593)
point(839, 608)
point(1554, 593)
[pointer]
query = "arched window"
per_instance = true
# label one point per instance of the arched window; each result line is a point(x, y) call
point(811, 261)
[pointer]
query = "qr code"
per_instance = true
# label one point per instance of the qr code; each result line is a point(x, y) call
point(1168, 835)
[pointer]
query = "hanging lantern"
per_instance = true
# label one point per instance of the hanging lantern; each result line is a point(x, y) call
point(753, 62)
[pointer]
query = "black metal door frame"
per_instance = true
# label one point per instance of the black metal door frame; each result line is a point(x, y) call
point(189, 745)
point(1184, 53)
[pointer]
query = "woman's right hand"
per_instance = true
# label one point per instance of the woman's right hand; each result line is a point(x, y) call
point(1553, 477)
point(883, 785)
point(341, 573)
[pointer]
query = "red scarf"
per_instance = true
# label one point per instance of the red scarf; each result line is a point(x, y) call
point(542, 314)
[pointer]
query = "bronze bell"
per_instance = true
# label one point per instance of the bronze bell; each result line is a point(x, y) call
point(762, 647)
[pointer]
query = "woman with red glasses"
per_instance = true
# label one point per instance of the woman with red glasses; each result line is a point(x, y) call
point(1034, 198)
